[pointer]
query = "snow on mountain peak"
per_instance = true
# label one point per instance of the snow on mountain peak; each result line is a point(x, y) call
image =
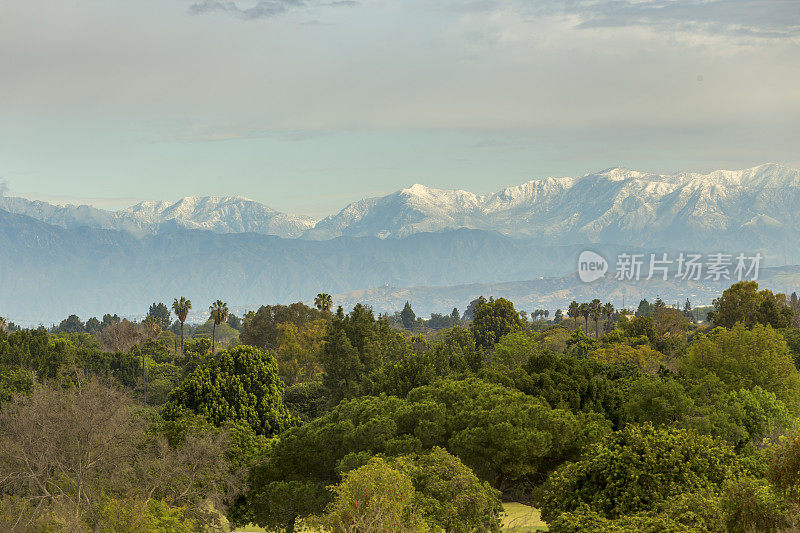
point(618, 204)
point(220, 214)
point(615, 203)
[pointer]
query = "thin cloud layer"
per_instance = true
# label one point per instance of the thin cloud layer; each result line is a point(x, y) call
point(449, 93)
point(259, 9)
point(756, 18)
point(764, 19)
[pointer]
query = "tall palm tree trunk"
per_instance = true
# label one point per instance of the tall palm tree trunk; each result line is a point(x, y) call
point(183, 351)
point(214, 338)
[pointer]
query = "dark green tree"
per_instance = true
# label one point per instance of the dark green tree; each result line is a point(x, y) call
point(645, 309)
point(408, 316)
point(574, 310)
point(160, 312)
point(356, 346)
point(110, 320)
point(585, 311)
point(323, 302)
point(239, 385)
point(596, 313)
point(492, 319)
point(93, 326)
point(234, 322)
point(71, 324)
point(456, 316)
point(687, 310)
point(608, 315)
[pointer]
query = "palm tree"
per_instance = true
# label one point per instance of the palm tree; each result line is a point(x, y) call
point(219, 314)
point(585, 311)
point(181, 308)
point(323, 301)
point(574, 310)
point(608, 313)
point(596, 310)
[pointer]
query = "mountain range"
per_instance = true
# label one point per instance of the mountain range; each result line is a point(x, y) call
point(55, 260)
point(754, 208)
point(230, 214)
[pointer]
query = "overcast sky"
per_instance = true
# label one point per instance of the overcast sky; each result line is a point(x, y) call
point(307, 105)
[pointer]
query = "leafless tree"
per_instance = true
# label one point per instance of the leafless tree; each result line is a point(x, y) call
point(63, 451)
point(120, 337)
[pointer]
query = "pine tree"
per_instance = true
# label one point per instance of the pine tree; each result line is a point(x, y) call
point(407, 316)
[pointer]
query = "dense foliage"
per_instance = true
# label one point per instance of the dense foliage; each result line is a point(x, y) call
point(604, 419)
point(239, 385)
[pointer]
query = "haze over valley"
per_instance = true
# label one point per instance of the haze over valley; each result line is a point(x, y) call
point(436, 248)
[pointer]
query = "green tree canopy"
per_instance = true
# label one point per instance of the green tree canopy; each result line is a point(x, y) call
point(635, 470)
point(375, 497)
point(408, 316)
point(449, 495)
point(356, 346)
point(492, 319)
point(260, 329)
point(239, 385)
point(743, 359)
point(160, 312)
point(505, 436)
point(743, 302)
point(71, 324)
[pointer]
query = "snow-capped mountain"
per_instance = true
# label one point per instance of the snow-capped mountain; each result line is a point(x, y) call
point(230, 214)
point(53, 258)
point(754, 207)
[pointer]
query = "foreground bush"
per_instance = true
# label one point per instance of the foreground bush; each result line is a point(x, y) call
point(506, 437)
point(376, 498)
point(85, 459)
point(239, 386)
point(636, 470)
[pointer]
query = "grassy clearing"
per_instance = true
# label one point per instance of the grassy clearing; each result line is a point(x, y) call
point(521, 518)
point(518, 518)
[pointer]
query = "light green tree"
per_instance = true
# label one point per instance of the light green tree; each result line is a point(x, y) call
point(743, 358)
point(375, 498)
point(635, 470)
